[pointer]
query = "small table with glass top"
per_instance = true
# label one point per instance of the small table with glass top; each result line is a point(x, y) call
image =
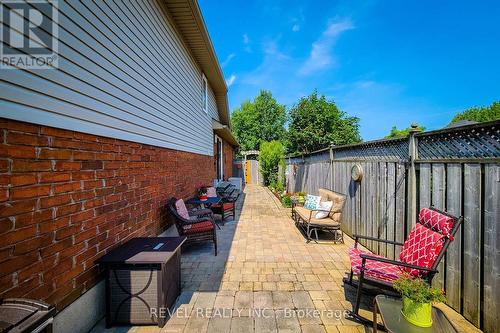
point(393, 321)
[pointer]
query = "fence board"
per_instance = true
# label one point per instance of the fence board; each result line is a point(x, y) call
point(391, 204)
point(357, 203)
point(375, 205)
point(367, 221)
point(438, 201)
point(453, 278)
point(472, 241)
point(400, 206)
point(491, 247)
point(425, 187)
point(382, 230)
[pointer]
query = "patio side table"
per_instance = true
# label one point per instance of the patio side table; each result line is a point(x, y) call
point(390, 313)
point(143, 280)
point(209, 202)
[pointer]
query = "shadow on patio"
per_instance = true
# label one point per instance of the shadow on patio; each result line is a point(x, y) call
point(266, 278)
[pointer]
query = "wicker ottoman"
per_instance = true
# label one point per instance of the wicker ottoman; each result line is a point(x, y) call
point(142, 280)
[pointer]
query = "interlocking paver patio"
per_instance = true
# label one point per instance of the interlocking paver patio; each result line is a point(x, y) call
point(264, 264)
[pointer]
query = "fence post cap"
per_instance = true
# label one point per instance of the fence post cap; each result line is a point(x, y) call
point(414, 128)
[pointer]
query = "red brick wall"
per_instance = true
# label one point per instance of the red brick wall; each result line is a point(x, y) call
point(68, 197)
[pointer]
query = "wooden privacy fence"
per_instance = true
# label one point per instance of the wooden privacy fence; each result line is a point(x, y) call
point(454, 169)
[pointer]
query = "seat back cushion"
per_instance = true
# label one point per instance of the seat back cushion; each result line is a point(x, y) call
point(312, 201)
point(181, 209)
point(421, 248)
point(436, 221)
point(337, 198)
point(211, 192)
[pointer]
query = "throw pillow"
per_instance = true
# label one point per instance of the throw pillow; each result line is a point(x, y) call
point(211, 192)
point(312, 201)
point(325, 206)
point(181, 209)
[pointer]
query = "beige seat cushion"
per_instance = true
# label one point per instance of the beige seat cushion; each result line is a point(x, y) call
point(331, 221)
point(338, 200)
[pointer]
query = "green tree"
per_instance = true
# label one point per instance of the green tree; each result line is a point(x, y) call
point(479, 114)
point(270, 156)
point(316, 123)
point(262, 119)
point(396, 133)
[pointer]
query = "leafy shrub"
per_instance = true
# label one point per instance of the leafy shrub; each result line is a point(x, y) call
point(418, 290)
point(271, 153)
point(286, 201)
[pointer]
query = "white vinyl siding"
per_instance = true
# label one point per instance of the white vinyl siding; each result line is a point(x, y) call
point(123, 73)
point(212, 106)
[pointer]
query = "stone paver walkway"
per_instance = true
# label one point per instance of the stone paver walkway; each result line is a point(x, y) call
point(265, 278)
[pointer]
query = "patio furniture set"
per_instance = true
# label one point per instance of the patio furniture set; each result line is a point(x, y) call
point(199, 224)
point(419, 257)
point(151, 266)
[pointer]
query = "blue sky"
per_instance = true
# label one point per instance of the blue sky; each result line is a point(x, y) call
point(387, 62)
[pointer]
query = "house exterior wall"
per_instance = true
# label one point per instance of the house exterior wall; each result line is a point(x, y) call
point(124, 72)
point(66, 197)
point(228, 156)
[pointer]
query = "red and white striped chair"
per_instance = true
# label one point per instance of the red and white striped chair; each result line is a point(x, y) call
point(419, 257)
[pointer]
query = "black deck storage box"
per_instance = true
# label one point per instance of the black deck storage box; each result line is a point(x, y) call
point(143, 280)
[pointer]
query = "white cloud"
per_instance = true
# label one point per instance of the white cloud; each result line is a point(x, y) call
point(227, 60)
point(321, 50)
point(295, 28)
point(246, 41)
point(230, 80)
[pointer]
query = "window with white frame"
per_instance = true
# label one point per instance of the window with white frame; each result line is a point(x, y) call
point(204, 93)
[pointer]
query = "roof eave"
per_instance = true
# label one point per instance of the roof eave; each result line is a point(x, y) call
point(189, 22)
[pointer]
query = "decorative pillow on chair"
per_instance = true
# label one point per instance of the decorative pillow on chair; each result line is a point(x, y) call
point(326, 206)
point(312, 201)
point(211, 192)
point(181, 209)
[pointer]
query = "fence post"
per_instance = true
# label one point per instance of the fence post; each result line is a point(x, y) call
point(411, 206)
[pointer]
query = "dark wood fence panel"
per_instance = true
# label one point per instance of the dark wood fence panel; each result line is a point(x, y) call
point(491, 247)
point(457, 170)
point(453, 285)
point(472, 242)
point(438, 201)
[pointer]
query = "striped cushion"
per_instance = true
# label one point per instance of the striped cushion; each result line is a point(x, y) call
point(225, 205)
point(196, 228)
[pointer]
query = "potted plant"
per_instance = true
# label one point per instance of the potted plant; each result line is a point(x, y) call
point(418, 297)
point(202, 193)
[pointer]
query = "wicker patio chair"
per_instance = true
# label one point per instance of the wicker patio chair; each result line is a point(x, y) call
point(419, 257)
point(227, 206)
point(198, 225)
point(305, 218)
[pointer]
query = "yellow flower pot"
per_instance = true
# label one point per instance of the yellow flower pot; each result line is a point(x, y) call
point(419, 314)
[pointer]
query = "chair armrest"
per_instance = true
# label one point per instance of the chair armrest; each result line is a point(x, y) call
point(365, 257)
point(356, 237)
